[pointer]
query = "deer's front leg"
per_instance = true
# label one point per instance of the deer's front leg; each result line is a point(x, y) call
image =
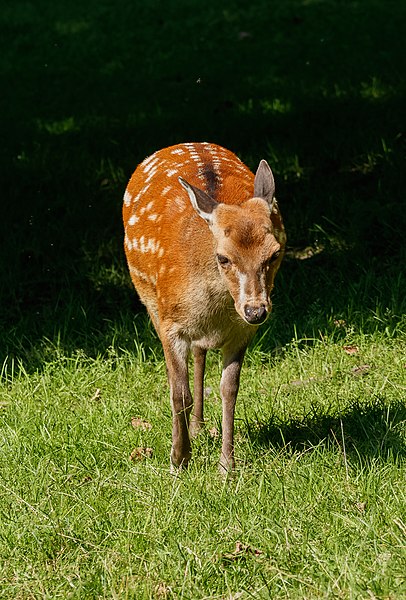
point(176, 352)
point(230, 382)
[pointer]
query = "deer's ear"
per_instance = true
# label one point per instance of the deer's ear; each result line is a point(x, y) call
point(264, 183)
point(201, 202)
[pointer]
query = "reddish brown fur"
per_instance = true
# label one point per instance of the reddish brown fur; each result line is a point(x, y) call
point(196, 302)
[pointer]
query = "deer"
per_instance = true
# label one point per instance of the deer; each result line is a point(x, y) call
point(204, 239)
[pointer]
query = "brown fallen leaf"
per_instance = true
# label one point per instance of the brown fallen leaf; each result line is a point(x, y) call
point(214, 432)
point(141, 453)
point(351, 349)
point(139, 423)
point(241, 551)
point(360, 370)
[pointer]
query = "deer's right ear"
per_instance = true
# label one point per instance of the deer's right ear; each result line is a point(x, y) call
point(201, 202)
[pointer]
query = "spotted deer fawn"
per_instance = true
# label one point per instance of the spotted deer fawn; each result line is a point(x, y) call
point(204, 239)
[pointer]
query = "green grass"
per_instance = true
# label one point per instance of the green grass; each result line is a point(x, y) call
point(317, 498)
point(317, 507)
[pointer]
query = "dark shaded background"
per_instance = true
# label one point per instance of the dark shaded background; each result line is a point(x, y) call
point(88, 90)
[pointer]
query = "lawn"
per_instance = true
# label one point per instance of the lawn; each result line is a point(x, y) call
point(317, 505)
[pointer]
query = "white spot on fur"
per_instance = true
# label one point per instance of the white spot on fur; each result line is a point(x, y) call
point(149, 245)
point(197, 158)
point(161, 252)
point(171, 172)
point(151, 173)
point(127, 198)
point(141, 192)
point(149, 162)
point(127, 242)
point(133, 220)
point(153, 217)
point(166, 190)
point(178, 151)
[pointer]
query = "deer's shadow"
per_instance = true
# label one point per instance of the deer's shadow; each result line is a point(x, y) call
point(363, 431)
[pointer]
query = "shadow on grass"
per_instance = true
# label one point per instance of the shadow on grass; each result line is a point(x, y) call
point(374, 430)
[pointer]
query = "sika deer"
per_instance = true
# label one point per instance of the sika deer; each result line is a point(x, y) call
point(204, 239)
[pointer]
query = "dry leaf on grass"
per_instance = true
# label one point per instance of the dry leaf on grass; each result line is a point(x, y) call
point(351, 349)
point(139, 423)
point(141, 453)
point(214, 432)
point(361, 506)
point(360, 370)
point(241, 551)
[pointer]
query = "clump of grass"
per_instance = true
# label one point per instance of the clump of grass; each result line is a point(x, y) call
point(314, 508)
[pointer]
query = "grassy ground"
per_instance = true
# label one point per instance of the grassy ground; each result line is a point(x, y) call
point(317, 506)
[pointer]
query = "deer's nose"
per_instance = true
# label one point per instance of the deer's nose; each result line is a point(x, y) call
point(255, 314)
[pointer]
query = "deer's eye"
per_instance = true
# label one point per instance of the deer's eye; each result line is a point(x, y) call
point(274, 257)
point(223, 260)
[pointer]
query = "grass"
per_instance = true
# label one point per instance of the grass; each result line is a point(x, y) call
point(317, 502)
point(316, 508)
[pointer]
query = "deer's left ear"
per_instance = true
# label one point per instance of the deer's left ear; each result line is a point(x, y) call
point(264, 183)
